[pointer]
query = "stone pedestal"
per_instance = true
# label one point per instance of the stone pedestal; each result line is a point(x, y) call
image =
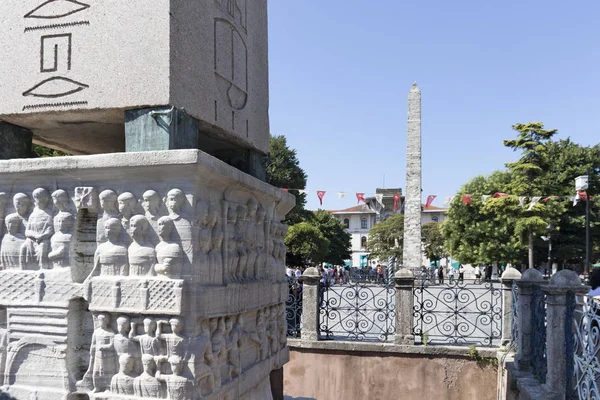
point(510, 276)
point(529, 279)
point(404, 282)
point(155, 274)
point(311, 299)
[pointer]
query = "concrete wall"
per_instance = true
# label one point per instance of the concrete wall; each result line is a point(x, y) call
point(359, 375)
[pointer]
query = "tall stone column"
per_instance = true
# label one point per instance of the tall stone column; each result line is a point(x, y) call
point(412, 204)
point(508, 278)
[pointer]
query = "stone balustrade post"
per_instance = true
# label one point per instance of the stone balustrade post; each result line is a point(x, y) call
point(510, 276)
point(529, 280)
point(562, 284)
point(310, 304)
point(404, 282)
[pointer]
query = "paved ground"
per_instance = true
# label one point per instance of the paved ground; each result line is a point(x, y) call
point(444, 314)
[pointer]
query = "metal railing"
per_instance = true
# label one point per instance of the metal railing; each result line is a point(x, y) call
point(458, 314)
point(583, 348)
point(538, 323)
point(293, 308)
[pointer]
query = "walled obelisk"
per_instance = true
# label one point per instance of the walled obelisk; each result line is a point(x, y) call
point(412, 205)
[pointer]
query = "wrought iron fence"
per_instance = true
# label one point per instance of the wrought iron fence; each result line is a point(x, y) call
point(585, 347)
point(293, 308)
point(458, 313)
point(538, 322)
point(515, 318)
point(358, 311)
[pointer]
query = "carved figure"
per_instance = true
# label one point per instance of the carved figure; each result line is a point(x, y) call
point(4, 199)
point(175, 203)
point(12, 241)
point(168, 253)
point(122, 343)
point(282, 325)
point(151, 205)
point(108, 203)
point(61, 240)
point(219, 349)
point(149, 343)
point(122, 382)
point(102, 357)
point(142, 256)
point(216, 254)
point(110, 258)
point(38, 231)
point(146, 385)
point(61, 201)
point(175, 341)
point(272, 332)
point(3, 343)
point(240, 232)
point(232, 254)
point(234, 343)
point(204, 241)
point(261, 255)
point(178, 387)
point(260, 336)
point(21, 203)
point(200, 358)
point(127, 208)
point(250, 238)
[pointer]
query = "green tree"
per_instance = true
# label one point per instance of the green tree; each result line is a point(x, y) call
point(386, 238)
point(44, 152)
point(528, 178)
point(284, 171)
point(305, 243)
point(334, 231)
point(433, 241)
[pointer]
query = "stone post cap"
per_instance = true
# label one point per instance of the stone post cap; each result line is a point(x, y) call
point(511, 274)
point(564, 281)
point(404, 274)
point(532, 275)
point(311, 276)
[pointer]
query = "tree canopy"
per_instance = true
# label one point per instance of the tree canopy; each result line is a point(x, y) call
point(433, 241)
point(284, 171)
point(305, 243)
point(334, 231)
point(386, 238)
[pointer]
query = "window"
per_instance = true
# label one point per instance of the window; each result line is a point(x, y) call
point(435, 218)
point(347, 223)
point(363, 242)
point(364, 224)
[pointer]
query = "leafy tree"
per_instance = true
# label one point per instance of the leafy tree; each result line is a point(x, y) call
point(43, 152)
point(527, 177)
point(386, 238)
point(283, 171)
point(334, 231)
point(433, 241)
point(305, 243)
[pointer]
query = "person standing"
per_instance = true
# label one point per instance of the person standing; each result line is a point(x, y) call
point(441, 275)
point(477, 275)
point(461, 274)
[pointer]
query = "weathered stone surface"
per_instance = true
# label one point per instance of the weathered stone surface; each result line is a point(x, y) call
point(156, 274)
point(412, 209)
point(15, 142)
point(97, 59)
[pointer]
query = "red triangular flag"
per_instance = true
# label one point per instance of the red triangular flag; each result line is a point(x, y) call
point(360, 197)
point(396, 201)
point(467, 199)
point(549, 198)
point(285, 189)
point(430, 199)
point(320, 195)
point(499, 194)
point(582, 195)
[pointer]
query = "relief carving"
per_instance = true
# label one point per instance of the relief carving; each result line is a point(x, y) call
point(127, 208)
point(200, 358)
point(142, 256)
point(110, 258)
point(38, 231)
point(240, 231)
point(232, 254)
point(149, 344)
point(61, 240)
point(109, 206)
point(102, 358)
point(10, 249)
point(178, 387)
point(146, 385)
point(123, 381)
point(168, 253)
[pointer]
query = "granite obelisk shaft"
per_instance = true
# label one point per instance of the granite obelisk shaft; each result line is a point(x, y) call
point(412, 206)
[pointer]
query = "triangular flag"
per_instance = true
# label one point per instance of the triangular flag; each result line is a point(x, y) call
point(484, 198)
point(534, 201)
point(582, 195)
point(550, 198)
point(466, 199)
point(448, 200)
point(430, 199)
point(379, 198)
point(396, 201)
point(285, 189)
point(522, 201)
point(499, 194)
point(341, 195)
point(302, 191)
point(320, 195)
point(360, 197)
point(575, 199)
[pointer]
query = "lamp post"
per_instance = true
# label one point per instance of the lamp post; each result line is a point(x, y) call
point(548, 239)
point(582, 184)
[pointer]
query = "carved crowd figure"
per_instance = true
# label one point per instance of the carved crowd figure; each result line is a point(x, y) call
point(216, 254)
point(219, 349)
point(142, 256)
point(146, 385)
point(127, 208)
point(61, 240)
point(272, 331)
point(149, 343)
point(200, 358)
point(169, 254)
point(21, 203)
point(259, 336)
point(122, 342)
point(175, 203)
point(240, 232)
point(250, 238)
point(12, 241)
point(38, 231)
point(110, 258)
point(122, 382)
point(204, 241)
point(261, 255)
point(151, 203)
point(61, 201)
point(234, 343)
point(102, 355)
point(282, 325)
point(175, 342)
point(178, 387)
point(108, 203)
point(232, 254)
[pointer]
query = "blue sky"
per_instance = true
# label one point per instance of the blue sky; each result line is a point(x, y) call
point(340, 72)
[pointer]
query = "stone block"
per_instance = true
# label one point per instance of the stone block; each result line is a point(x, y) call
point(154, 274)
point(98, 59)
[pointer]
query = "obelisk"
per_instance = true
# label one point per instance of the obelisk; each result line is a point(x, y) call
point(412, 205)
